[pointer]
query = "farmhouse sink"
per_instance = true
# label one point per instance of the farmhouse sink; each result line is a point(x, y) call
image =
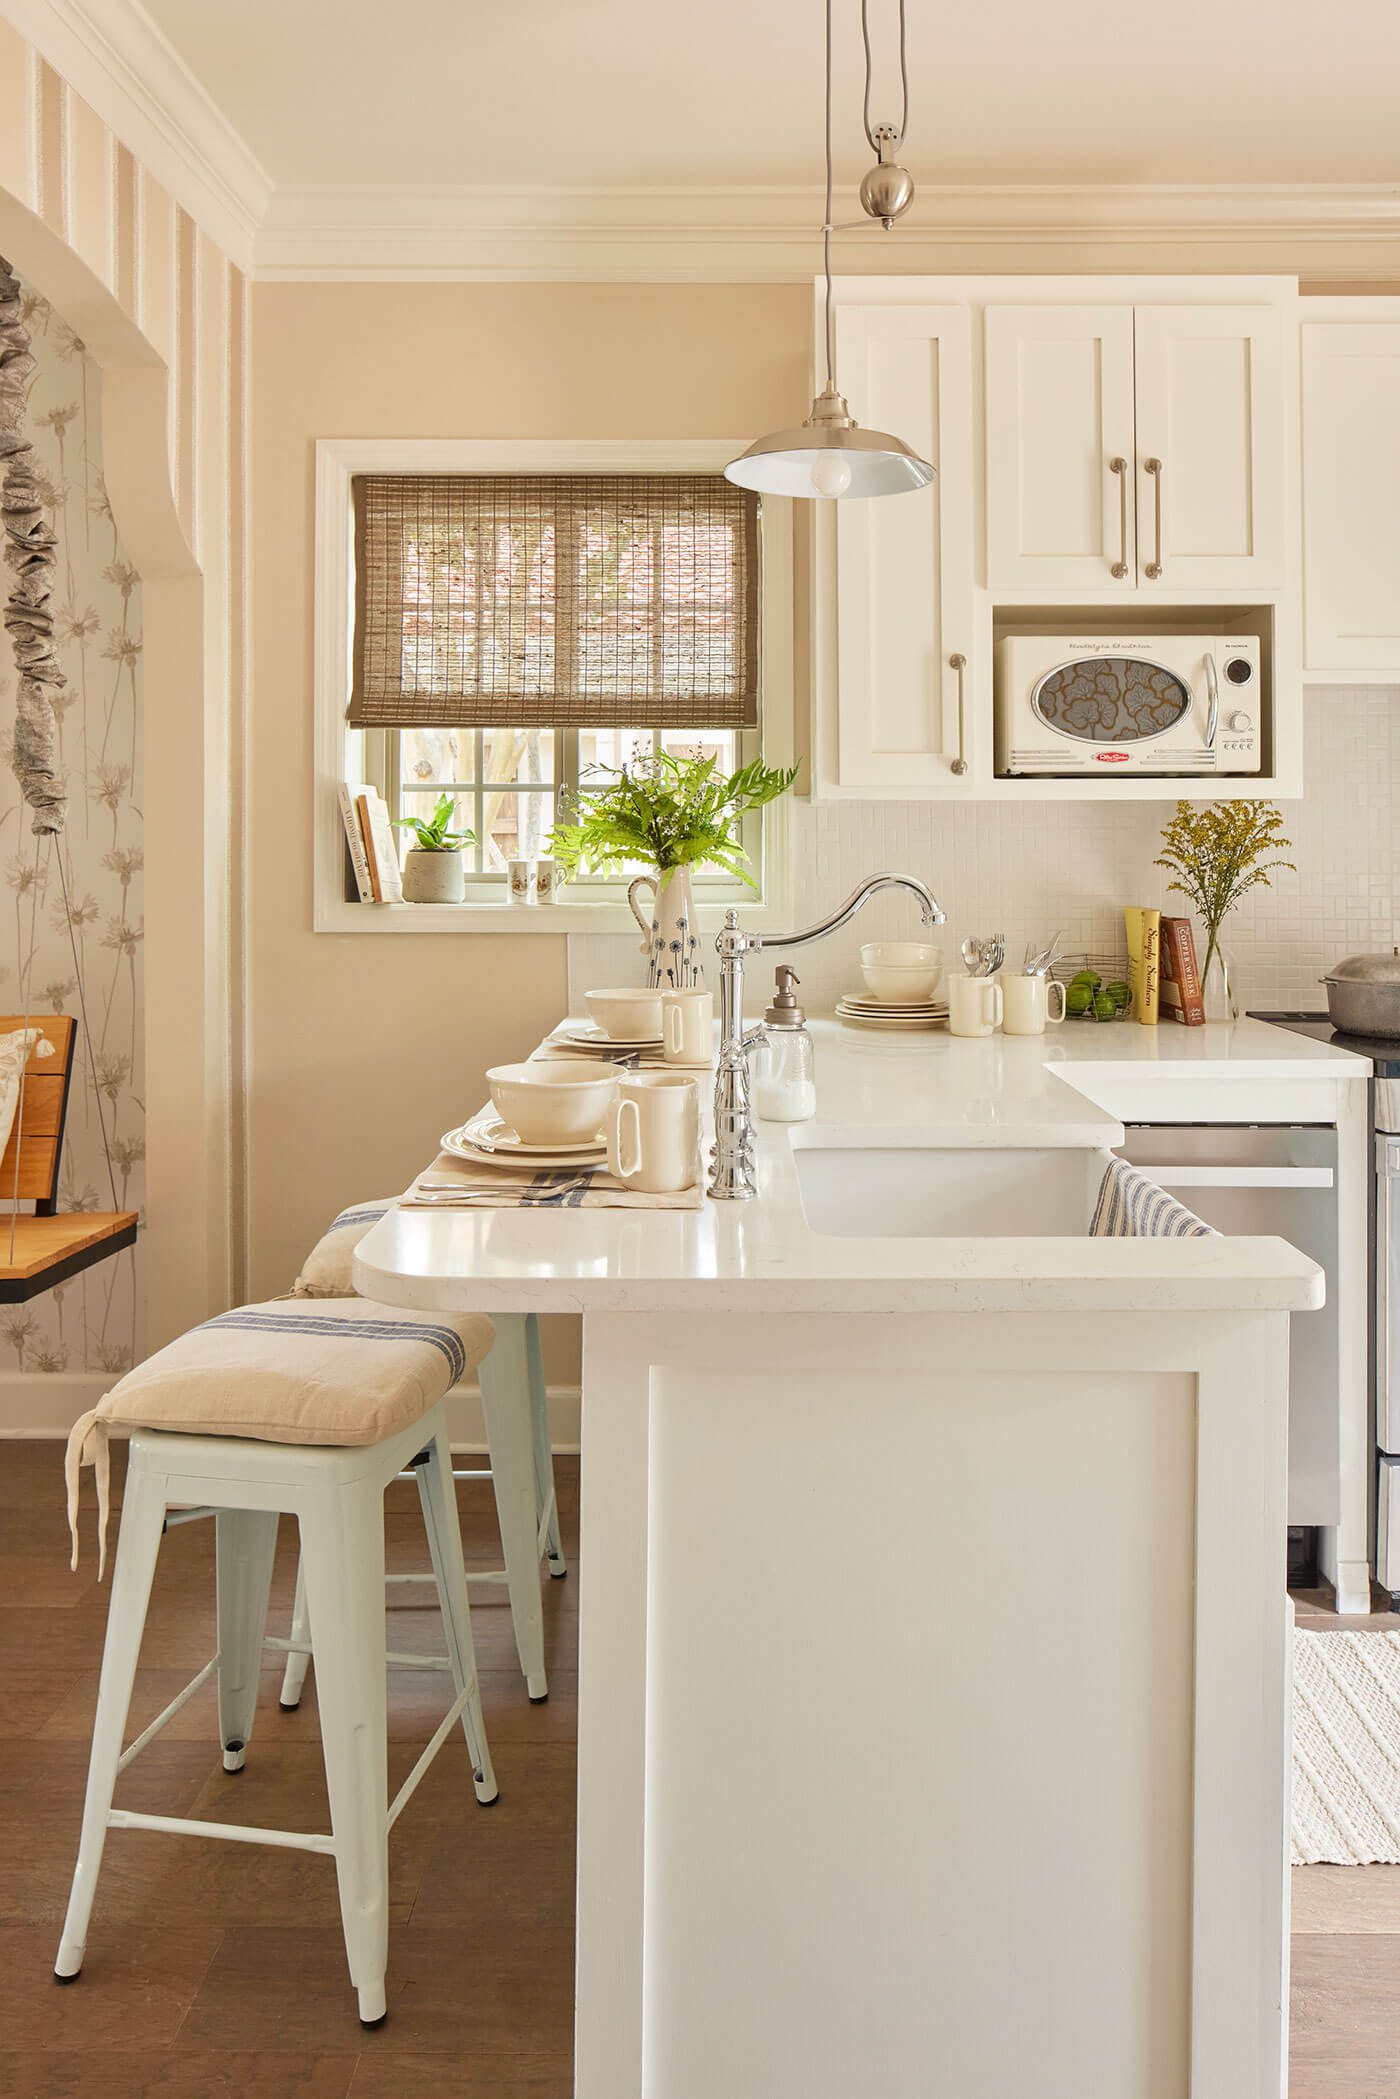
point(945, 1192)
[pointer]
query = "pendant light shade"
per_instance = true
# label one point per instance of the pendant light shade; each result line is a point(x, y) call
point(830, 455)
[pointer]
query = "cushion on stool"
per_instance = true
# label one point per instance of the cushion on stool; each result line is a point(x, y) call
point(326, 1270)
point(338, 1372)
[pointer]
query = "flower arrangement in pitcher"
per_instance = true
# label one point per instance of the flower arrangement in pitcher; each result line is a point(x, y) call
point(672, 812)
point(1216, 852)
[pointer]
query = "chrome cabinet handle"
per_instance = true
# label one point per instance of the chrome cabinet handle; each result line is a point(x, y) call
point(1154, 467)
point(1212, 701)
point(959, 764)
point(1120, 567)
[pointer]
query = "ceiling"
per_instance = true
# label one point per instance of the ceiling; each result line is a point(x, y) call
point(544, 94)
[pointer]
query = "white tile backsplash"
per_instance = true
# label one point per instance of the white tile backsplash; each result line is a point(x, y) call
point(1024, 869)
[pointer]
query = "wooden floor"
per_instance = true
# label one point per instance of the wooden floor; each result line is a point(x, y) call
point(216, 1971)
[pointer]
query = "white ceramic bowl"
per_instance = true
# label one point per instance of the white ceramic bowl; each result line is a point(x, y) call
point(558, 1100)
point(903, 971)
point(627, 1016)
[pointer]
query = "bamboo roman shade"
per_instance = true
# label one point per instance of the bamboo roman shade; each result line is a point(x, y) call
point(583, 600)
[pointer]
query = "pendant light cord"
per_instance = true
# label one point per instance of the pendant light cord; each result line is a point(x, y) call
point(903, 78)
point(826, 222)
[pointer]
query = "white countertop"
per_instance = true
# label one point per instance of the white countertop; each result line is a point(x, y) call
point(885, 1091)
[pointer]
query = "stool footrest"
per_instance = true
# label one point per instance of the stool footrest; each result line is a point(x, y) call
point(489, 1574)
point(446, 1724)
point(227, 1832)
point(196, 1683)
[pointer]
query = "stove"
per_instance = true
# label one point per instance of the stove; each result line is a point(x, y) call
point(1383, 1050)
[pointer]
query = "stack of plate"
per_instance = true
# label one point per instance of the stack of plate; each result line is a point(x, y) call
point(587, 1035)
point(487, 1141)
point(859, 1010)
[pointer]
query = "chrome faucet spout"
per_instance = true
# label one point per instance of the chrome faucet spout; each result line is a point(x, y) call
point(731, 1157)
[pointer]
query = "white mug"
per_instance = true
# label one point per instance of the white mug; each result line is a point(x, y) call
point(546, 881)
point(974, 1005)
point(654, 1131)
point(518, 879)
point(1026, 1004)
point(687, 1027)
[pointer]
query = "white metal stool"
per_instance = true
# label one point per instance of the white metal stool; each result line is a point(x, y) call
point(336, 1494)
point(521, 1470)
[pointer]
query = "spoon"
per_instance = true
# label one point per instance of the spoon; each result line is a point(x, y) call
point(972, 956)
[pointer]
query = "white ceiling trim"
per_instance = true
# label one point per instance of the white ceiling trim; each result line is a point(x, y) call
point(1332, 232)
point(115, 57)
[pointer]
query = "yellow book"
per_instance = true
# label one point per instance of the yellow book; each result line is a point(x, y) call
point(1144, 960)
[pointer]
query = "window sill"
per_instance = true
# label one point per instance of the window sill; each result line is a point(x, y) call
point(603, 916)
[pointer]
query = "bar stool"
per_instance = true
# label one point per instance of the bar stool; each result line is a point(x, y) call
point(324, 1406)
point(521, 1469)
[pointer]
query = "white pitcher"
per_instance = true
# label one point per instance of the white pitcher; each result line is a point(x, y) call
point(670, 936)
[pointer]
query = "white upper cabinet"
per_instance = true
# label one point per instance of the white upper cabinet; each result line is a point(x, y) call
point(903, 582)
point(1060, 448)
point(1136, 450)
point(1211, 456)
point(1351, 487)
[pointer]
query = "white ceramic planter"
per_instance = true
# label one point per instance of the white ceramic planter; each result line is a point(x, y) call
point(432, 878)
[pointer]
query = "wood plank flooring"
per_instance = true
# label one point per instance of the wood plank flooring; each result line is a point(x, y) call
point(217, 1971)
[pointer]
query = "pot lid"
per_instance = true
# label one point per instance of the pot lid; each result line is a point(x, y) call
point(1366, 969)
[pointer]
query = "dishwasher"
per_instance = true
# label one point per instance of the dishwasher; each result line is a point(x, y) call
point(1280, 1181)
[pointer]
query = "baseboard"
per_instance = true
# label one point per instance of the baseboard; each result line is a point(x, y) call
point(35, 1406)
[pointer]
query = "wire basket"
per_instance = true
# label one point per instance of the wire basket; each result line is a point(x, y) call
point(1110, 969)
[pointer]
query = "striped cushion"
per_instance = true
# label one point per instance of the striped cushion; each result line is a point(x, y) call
point(347, 1372)
point(1130, 1206)
point(326, 1270)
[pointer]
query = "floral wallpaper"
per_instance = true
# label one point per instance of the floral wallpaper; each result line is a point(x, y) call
point(95, 1321)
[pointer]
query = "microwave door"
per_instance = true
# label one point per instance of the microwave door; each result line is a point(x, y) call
point(1109, 701)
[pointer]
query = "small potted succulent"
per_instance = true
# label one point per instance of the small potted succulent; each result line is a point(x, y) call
point(432, 870)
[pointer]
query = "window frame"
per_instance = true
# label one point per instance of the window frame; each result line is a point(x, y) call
point(340, 752)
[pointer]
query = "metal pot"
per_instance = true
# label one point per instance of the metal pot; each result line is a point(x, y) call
point(1363, 994)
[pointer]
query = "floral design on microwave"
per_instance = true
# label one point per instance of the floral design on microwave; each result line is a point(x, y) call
point(1112, 699)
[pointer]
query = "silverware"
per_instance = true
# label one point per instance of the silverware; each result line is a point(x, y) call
point(1040, 965)
point(983, 958)
point(972, 956)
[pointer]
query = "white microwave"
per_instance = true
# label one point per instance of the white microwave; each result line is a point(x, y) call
point(1181, 704)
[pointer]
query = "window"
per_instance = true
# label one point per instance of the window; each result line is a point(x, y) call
point(516, 635)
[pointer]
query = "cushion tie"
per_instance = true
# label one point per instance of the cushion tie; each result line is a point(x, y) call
point(87, 1445)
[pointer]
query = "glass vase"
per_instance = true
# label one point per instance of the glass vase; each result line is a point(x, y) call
point(1218, 985)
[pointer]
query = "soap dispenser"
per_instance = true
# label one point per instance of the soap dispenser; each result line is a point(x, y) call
point(785, 1087)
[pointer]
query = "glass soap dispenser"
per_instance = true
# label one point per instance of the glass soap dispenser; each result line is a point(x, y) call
point(785, 1087)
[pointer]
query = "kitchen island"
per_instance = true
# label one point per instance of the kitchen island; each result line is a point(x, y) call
point(933, 1645)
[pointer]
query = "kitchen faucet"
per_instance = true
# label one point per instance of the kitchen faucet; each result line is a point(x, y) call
point(731, 1157)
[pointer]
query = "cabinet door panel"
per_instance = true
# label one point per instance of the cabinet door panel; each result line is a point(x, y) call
point(1211, 412)
point(1351, 496)
point(1059, 411)
point(904, 563)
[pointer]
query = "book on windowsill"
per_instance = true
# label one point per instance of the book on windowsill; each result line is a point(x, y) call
point(355, 841)
point(1181, 978)
point(380, 850)
point(1144, 929)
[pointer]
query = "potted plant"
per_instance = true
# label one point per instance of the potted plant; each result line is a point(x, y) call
point(673, 813)
point(432, 870)
point(1215, 853)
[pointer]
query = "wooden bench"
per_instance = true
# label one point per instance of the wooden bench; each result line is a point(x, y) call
point(48, 1247)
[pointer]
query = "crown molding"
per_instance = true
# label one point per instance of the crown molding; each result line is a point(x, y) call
point(1326, 234)
point(114, 56)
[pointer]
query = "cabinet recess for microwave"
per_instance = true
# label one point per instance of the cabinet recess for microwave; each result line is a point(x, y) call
point(1185, 696)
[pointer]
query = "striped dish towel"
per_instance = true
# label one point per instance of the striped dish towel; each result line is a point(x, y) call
point(1130, 1206)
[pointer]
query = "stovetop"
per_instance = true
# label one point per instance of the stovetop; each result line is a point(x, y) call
point(1383, 1050)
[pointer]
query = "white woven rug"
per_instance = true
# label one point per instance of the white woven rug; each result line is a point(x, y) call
point(1346, 1749)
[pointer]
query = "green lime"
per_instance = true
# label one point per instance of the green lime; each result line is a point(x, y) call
point(1105, 1008)
point(1079, 998)
point(1120, 993)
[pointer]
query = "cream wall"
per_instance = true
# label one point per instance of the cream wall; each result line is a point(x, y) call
point(363, 1047)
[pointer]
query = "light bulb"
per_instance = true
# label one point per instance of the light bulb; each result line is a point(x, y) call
point(831, 474)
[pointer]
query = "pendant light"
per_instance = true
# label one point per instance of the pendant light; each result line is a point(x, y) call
point(830, 455)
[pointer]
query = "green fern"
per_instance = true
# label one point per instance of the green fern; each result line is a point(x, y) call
point(667, 812)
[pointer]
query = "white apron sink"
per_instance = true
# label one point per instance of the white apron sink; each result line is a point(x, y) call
point(946, 1192)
